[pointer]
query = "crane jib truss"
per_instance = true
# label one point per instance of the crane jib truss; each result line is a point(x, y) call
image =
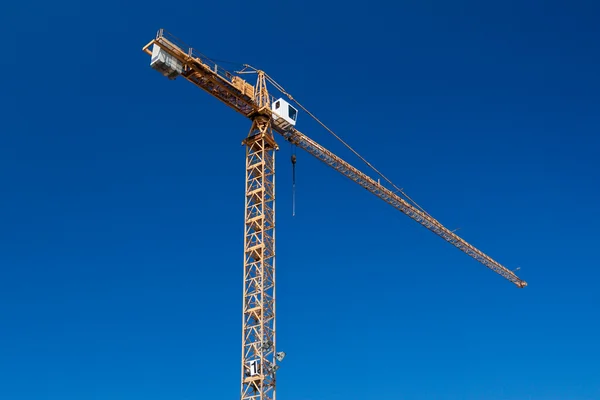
point(208, 76)
point(259, 357)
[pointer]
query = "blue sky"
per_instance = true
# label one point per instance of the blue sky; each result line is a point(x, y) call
point(122, 201)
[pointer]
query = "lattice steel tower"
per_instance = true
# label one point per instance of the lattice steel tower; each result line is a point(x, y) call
point(258, 323)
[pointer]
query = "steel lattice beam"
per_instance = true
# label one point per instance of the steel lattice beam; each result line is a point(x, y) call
point(294, 136)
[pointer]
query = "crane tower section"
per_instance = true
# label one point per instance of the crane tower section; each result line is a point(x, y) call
point(258, 321)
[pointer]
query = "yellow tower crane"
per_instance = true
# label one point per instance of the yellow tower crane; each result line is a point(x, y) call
point(173, 58)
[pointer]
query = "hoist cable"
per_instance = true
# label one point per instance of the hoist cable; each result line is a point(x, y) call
point(293, 181)
point(283, 91)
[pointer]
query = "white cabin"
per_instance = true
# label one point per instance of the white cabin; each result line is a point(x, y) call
point(283, 109)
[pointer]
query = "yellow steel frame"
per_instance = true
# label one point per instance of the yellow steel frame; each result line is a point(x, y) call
point(258, 367)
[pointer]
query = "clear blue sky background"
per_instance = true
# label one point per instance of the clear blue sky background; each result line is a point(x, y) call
point(121, 201)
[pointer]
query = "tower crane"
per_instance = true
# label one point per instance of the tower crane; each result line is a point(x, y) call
point(173, 58)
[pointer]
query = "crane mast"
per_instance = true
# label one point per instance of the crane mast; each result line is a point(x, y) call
point(258, 316)
point(173, 58)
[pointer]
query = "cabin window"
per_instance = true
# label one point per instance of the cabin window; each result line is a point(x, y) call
point(277, 106)
point(292, 113)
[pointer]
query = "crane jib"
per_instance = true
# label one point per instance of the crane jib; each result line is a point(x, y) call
point(296, 137)
point(236, 93)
